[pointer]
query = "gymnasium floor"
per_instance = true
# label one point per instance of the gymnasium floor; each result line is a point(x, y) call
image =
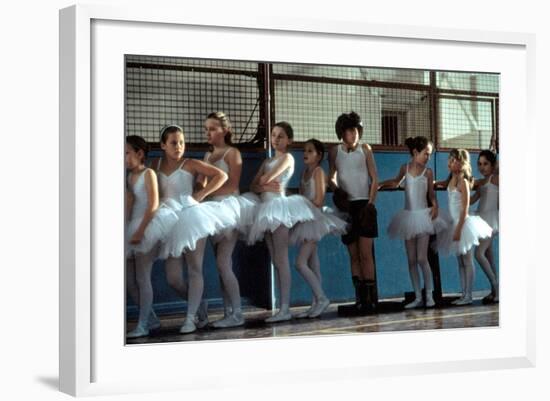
point(447, 317)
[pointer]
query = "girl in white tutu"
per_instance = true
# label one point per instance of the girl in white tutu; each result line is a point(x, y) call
point(417, 221)
point(228, 159)
point(197, 221)
point(278, 213)
point(307, 234)
point(147, 224)
point(464, 232)
point(487, 194)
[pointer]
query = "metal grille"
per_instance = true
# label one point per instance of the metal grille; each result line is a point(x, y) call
point(356, 73)
point(313, 107)
point(465, 123)
point(162, 91)
point(394, 103)
point(471, 82)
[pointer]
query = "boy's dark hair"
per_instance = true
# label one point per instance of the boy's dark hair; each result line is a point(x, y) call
point(346, 121)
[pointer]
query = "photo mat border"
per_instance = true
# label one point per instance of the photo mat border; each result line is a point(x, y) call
point(76, 208)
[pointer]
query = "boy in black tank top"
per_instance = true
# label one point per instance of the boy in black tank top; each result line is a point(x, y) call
point(351, 166)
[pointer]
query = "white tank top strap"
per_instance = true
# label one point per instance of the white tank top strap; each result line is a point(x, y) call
point(182, 163)
point(226, 152)
point(159, 161)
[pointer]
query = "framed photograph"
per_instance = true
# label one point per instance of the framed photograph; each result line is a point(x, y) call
point(103, 52)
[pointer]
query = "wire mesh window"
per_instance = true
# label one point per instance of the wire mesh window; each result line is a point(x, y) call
point(313, 107)
point(472, 82)
point(466, 123)
point(407, 76)
point(162, 91)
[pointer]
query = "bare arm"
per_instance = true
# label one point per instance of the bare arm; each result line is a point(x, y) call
point(371, 165)
point(256, 187)
point(394, 182)
point(332, 179)
point(285, 162)
point(129, 203)
point(475, 197)
point(216, 177)
point(255, 184)
point(464, 188)
point(442, 184)
point(320, 187)
point(431, 193)
point(200, 179)
point(151, 188)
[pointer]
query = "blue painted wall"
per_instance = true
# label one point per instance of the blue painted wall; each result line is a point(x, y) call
point(251, 264)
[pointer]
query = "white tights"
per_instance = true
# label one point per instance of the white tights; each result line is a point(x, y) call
point(277, 243)
point(467, 273)
point(307, 264)
point(139, 284)
point(417, 255)
point(223, 249)
point(174, 276)
point(484, 256)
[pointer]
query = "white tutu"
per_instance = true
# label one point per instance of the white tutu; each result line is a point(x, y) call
point(277, 210)
point(490, 217)
point(195, 221)
point(474, 229)
point(407, 224)
point(325, 222)
point(158, 228)
point(242, 208)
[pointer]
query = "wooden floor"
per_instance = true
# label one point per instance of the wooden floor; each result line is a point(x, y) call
point(447, 317)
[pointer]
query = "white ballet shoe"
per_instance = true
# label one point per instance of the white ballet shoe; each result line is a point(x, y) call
point(306, 313)
point(188, 326)
point(153, 322)
point(138, 332)
point(233, 320)
point(464, 301)
point(321, 306)
point(202, 315)
point(429, 301)
point(227, 312)
point(281, 316)
point(414, 304)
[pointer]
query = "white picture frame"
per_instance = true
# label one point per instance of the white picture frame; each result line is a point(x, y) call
point(93, 358)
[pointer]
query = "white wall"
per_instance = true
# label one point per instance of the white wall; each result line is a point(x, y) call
point(28, 199)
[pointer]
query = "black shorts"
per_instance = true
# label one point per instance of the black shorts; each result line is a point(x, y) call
point(363, 221)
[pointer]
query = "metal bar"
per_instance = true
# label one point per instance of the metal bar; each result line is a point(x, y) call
point(268, 106)
point(467, 93)
point(434, 118)
point(168, 67)
point(355, 82)
point(467, 98)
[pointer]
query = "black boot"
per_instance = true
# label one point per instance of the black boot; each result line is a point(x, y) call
point(368, 297)
point(352, 309)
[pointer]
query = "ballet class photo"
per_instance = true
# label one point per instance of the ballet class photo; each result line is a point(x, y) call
point(275, 200)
